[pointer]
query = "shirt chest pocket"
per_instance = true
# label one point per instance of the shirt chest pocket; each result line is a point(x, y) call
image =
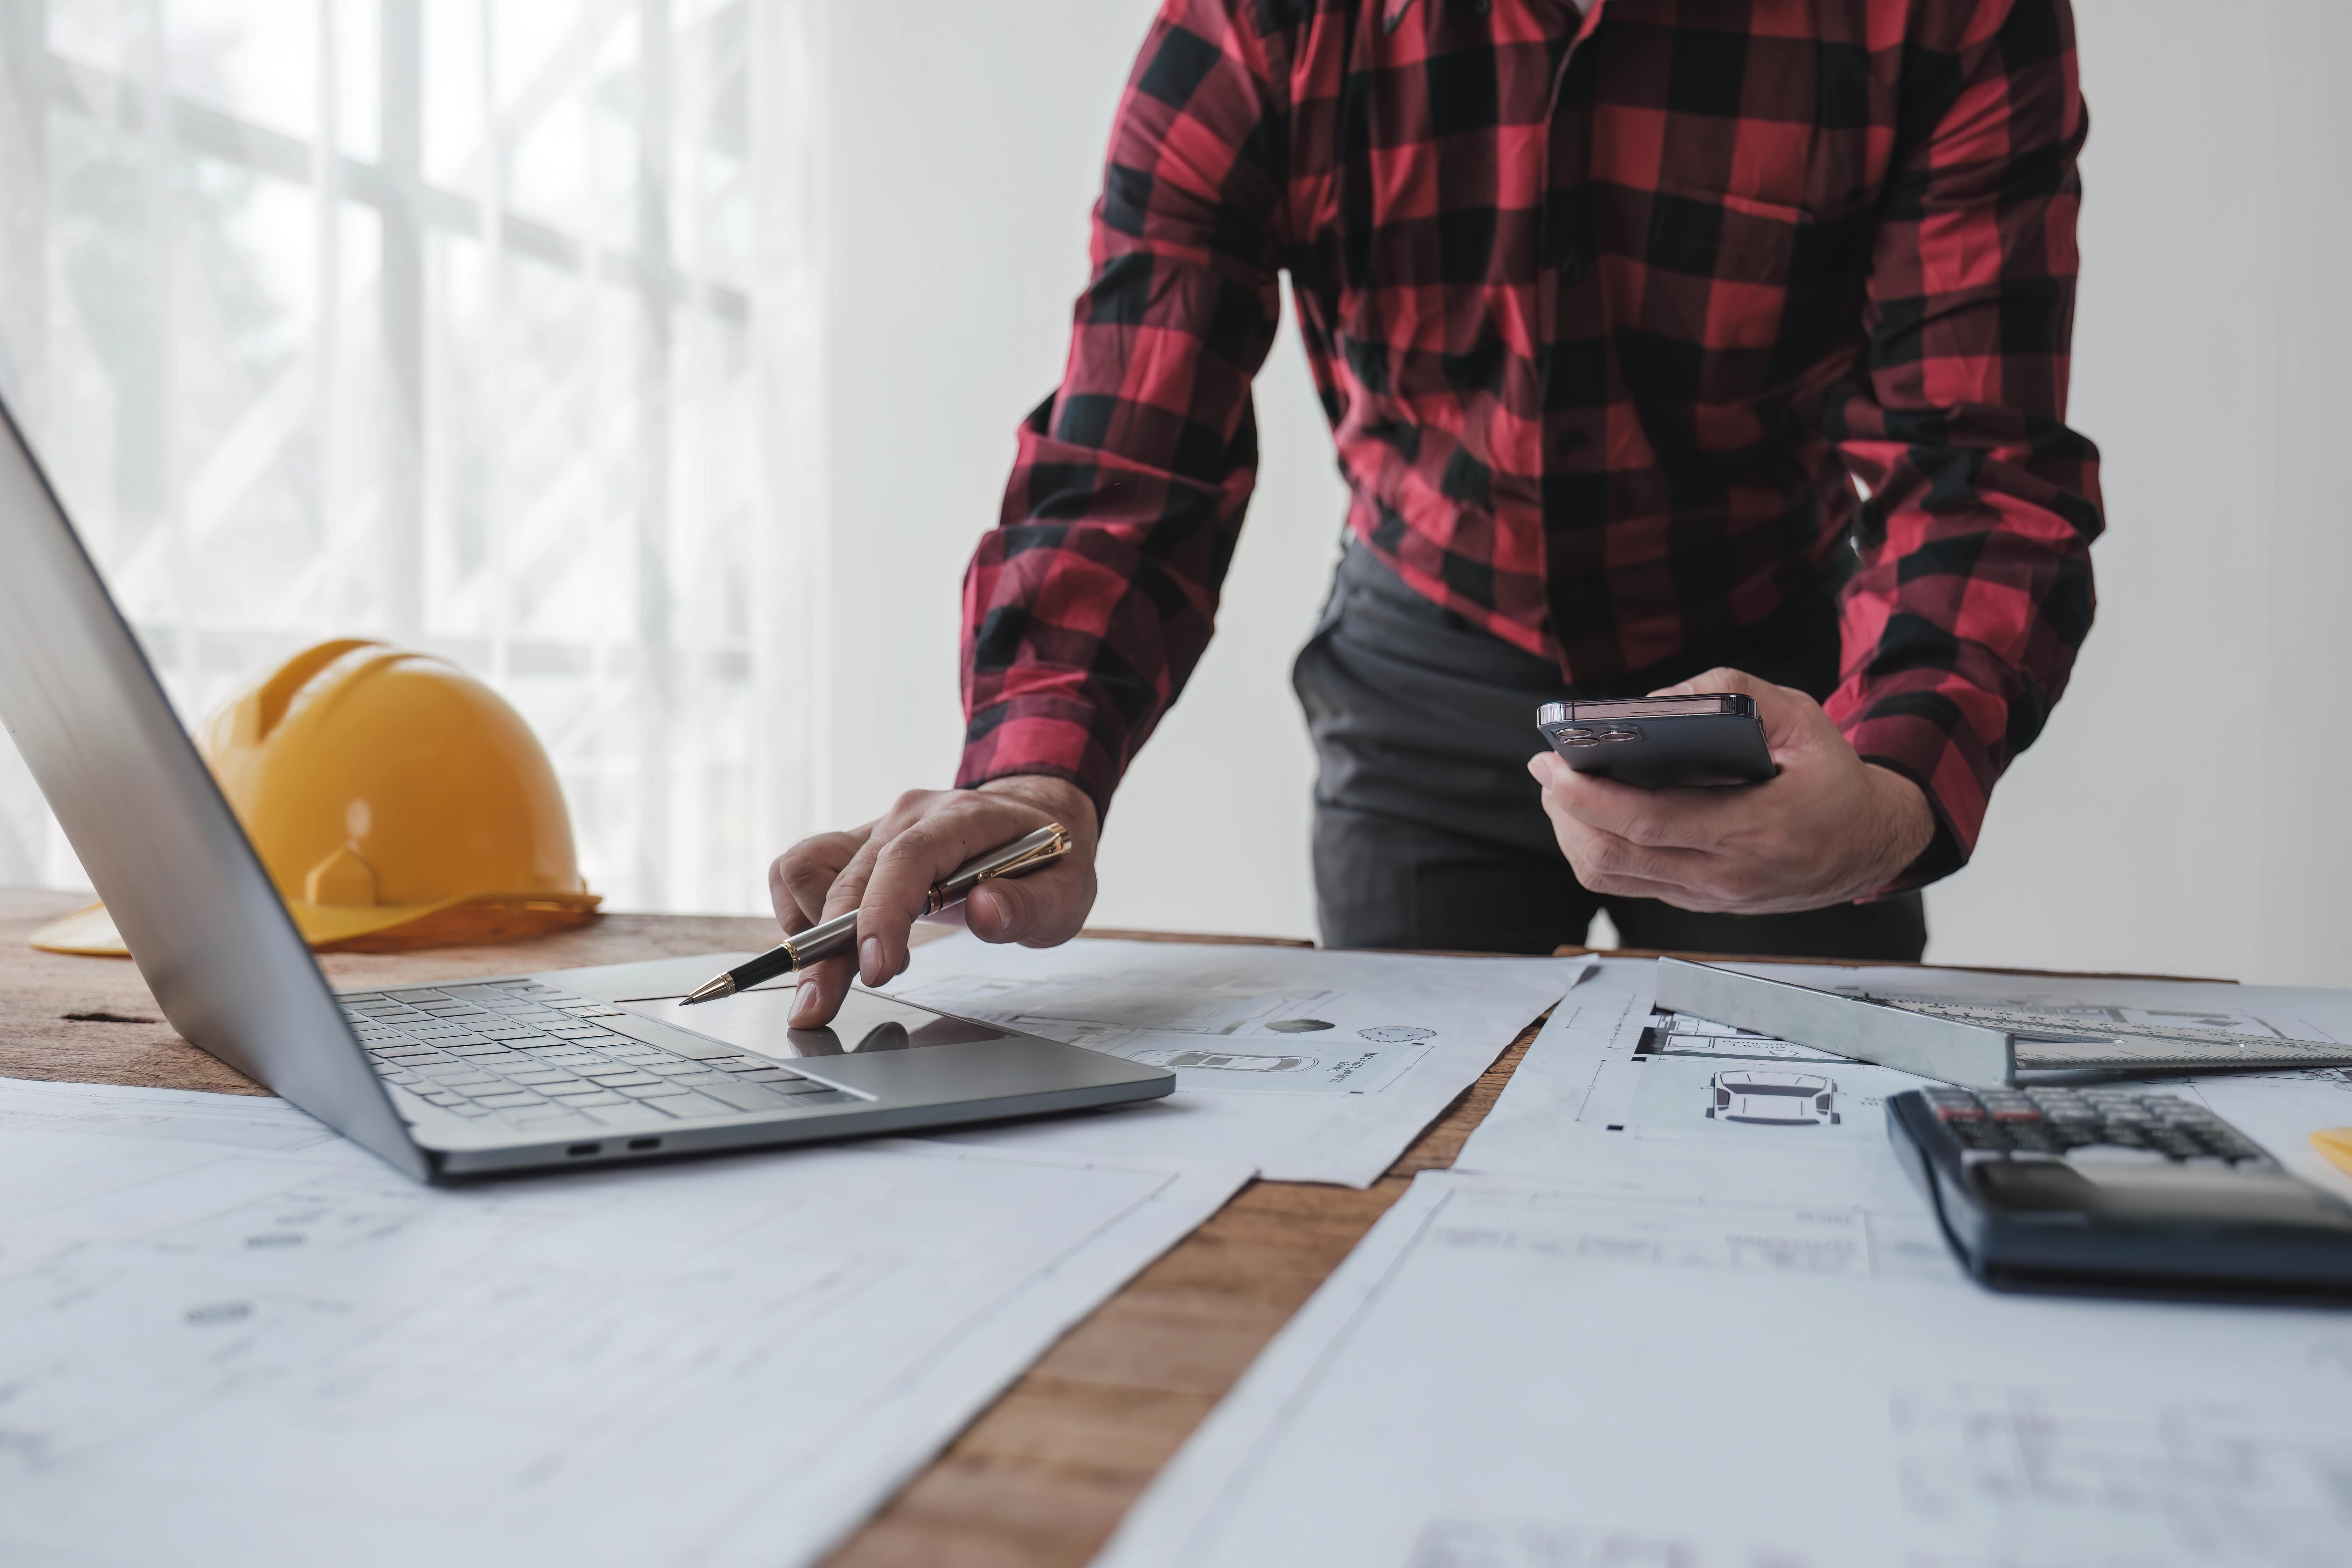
point(1738, 239)
point(1761, 287)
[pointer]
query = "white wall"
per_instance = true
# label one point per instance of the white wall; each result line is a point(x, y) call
point(966, 146)
point(2181, 814)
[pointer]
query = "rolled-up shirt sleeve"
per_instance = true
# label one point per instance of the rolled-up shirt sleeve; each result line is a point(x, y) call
point(1974, 591)
point(1087, 608)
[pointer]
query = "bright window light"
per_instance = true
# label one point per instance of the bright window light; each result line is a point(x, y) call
point(434, 321)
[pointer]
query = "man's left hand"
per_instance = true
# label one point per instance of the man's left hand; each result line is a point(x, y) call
point(1830, 829)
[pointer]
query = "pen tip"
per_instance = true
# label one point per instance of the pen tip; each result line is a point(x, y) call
point(710, 991)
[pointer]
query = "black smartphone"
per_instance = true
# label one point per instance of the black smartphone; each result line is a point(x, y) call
point(1713, 738)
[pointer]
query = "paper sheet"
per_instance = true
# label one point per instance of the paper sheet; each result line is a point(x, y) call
point(1587, 1103)
point(1540, 1376)
point(228, 1337)
point(1307, 1065)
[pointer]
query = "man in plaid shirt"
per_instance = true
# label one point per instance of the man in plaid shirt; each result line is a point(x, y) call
point(1703, 345)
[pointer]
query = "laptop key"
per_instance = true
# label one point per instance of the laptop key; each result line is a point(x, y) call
point(508, 1102)
point(705, 1051)
point(647, 1089)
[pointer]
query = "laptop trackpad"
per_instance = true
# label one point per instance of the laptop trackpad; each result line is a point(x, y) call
point(755, 1021)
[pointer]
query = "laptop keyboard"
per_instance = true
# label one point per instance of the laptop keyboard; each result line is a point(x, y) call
point(536, 1058)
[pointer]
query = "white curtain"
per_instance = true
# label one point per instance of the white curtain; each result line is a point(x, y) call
point(482, 326)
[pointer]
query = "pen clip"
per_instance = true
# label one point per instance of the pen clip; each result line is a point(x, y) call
point(1035, 855)
point(1046, 844)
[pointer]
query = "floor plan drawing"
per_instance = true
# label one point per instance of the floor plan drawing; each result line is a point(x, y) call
point(1517, 1375)
point(1307, 1065)
point(290, 1353)
point(1133, 1016)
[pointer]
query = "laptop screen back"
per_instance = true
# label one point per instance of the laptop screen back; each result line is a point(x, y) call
point(161, 847)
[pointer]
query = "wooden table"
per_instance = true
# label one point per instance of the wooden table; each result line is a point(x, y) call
point(1044, 1474)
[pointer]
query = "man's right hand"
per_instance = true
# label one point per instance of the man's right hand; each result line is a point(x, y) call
point(886, 869)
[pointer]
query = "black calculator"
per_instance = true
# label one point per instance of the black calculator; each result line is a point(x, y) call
point(2118, 1192)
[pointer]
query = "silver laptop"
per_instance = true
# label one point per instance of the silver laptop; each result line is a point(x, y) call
point(525, 1072)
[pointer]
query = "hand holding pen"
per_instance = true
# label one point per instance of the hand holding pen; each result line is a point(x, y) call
point(883, 874)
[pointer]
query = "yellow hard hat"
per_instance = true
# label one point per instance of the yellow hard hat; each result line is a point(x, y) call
point(396, 802)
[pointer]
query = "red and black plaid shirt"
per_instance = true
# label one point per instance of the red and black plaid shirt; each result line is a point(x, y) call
point(1610, 310)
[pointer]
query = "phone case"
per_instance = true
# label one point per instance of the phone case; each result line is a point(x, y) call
point(1662, 741)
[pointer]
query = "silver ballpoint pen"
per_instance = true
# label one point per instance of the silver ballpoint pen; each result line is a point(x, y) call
point(839, 935)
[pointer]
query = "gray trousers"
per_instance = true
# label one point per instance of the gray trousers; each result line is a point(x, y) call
point(1429, 832)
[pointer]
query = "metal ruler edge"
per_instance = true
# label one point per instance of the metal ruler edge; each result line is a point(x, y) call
point(1942, 1048)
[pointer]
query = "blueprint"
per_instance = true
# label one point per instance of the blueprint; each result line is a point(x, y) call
point(1661, 1326)
point(284, 1354)
point(1524, 1374)
point(1613, 1093)
point(1305, 1064)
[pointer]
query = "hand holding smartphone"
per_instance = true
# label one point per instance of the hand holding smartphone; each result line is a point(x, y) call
point(1660, 742)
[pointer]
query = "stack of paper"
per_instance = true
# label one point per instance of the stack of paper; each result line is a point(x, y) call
point(226, 1335)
